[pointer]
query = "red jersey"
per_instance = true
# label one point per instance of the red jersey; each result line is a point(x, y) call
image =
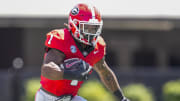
point(62, 40)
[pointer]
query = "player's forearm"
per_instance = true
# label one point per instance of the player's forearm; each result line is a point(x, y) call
point(51, 71)
point(107, 76)
point(109, 80)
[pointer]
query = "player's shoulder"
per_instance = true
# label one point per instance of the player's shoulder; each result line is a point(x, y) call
point(57, 33)
point(101, 41)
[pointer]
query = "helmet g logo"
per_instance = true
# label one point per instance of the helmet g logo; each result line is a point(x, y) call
point(75, 11)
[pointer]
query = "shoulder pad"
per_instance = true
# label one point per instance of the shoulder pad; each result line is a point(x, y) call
point(101, 45)
point(55, 39)
point(57, 33)
point(101, 41)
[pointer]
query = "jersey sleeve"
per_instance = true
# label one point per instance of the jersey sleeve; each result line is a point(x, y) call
point(102, 45)
point(55, 39)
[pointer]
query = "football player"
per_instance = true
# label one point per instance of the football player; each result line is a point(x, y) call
point(71, 53)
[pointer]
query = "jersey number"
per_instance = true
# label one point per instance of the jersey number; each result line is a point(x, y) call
point(51, 37)
point(74, 82)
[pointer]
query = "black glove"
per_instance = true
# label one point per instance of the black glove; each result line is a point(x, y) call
point(125, 99)
point(75, 69)
point(119, 94)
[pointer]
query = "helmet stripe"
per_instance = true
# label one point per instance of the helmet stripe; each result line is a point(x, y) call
point(93, 12)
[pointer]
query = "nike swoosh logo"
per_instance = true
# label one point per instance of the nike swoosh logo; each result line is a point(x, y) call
point(96, 52)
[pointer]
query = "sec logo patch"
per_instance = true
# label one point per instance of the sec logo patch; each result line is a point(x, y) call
point(73, 49)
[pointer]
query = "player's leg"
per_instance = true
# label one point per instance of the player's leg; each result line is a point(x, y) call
point(43, 96)
point(39, 96)
point(78, 98)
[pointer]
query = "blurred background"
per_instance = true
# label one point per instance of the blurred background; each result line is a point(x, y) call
point(142, 38)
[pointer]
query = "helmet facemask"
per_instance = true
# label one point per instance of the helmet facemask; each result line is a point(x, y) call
point(87, 32)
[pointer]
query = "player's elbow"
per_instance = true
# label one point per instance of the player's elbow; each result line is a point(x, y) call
point(51, 71)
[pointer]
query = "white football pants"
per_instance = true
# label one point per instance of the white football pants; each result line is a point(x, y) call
point(43, 96)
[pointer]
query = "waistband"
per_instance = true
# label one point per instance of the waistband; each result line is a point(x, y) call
point(45, 91)
point(54, 97)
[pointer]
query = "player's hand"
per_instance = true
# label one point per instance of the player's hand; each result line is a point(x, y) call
point(75, 69)
point(125, 99)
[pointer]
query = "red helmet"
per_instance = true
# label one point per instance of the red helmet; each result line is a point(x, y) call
point(85, 23)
